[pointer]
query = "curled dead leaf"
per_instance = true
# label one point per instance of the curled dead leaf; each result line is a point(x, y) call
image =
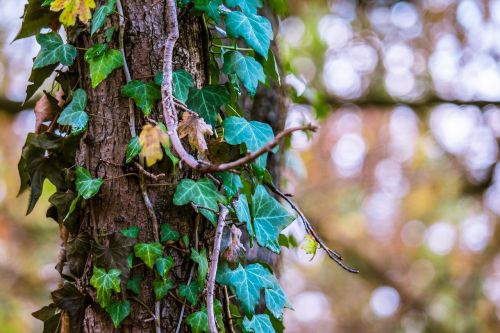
point(44, 111)
point(194, 128)
point(235, 248)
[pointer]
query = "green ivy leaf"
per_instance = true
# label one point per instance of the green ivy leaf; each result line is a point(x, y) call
point(100, 16)
point(53, 51)
point(182, 82)
point(253, 134)
point(87, 186)
point(270, 218)
point(148, 252)
point(164, 265)
point(161, 288)
point(246, 6)
point(260, 323)
point(248, 70)
point(276, 301)
point(243, 213)
point(211, 7)
point(74, 114)
point(114, 254)
point(207, 102)
point(145, 95)
point(254, 29)
point(103, 65)
point(35, 18)
point(134, 284)
point(231, 182)
point(131, 232)
point(95, 51)
point(168, 234)
point(198, 321)
point(133, 149)
point(202, 193)
point(190, 292)
point(105, 283)
point(118, 310)
point(247, 283)
point(201, 259)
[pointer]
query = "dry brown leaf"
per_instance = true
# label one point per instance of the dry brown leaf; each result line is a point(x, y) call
point(195, 129)
point(151, 139)
point(43, 112)
point(235, 249)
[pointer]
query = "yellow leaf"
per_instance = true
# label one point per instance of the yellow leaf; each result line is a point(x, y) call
point(151, 140)
point(310, 246)
point(73, 8)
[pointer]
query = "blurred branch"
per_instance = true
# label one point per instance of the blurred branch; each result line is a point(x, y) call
point(12, 108)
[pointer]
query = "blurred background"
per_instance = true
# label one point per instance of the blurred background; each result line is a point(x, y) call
point(402, 178)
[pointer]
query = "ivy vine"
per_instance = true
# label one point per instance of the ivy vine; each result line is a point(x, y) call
point(233, 195)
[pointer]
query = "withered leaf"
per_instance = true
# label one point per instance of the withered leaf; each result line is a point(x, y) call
point(151, 140)
point(194, 128)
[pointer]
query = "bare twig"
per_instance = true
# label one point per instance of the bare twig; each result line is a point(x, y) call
point(310, 230)
point(213, 268)
point(197, 209)
point(227, 311)
point(149, 174)
point(138, 301)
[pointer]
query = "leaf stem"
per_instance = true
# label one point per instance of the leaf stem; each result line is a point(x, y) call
point(232, 47)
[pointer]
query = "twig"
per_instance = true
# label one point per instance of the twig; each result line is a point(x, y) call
point(310, 230)
point(197, 208)
point(121, 176)
point(149, 174)
point(213, 268)
point(227, 311)
point(191, 274)
point(170, 113)
point(135, 299)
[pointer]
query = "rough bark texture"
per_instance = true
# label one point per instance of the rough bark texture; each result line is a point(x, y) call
point(119, 203)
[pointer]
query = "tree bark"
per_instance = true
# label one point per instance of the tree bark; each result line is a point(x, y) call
point(120, 203)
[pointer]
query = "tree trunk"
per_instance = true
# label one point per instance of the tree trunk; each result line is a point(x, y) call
point(120, 203)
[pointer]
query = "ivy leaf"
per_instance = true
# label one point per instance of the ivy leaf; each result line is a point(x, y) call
point(134, 284)
point(71, 9)
point(247, 283)
point(254, 29)
point(195, 128)
point(101, 14)
point(35, 18)
point(246, 6)
point(181, 81)
point(270, 218)
point(87, 186)
point(198, 321)
point(69, 299)
point(53, 51)
point(114, 254)
point(151, 139)
point(148, 252)
point(201, 259)
point(310, 245)
point(211, 7)
point(168, 234)
point(131, 232)
point(243, 213)
point(133, 149)
point(247, 69)
point(103, 65)
point(164, 265)
point(253, 134)
point(161, 288)
point(105, 283)
point(37, 78)
point(77, 252)
point(276, 301)
point(202, 193)
point(231, 182)
point(74, 114)
point(145, 95)
point(118, 310)
point(51, 317)
point(260, 323)
point(207, 101)
point(190, 292)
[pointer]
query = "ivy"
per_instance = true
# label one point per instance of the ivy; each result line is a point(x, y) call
point(131, 232)
point(164, 265)
point(148, 252)
point(118, 311)
point(74, 114)
point(101, 14)
point(145, 95)
point(207, 102)
point(198, 321)
point(35, 18)
point(87, 186)
point(260, 323)
point(105, 283)
point(246, 6)
point(168, 234)
point(53, 51)
point(254, 29)
point(247, 69)
point(161, 288)
point(71, 9)
point(103, 64)
point(191, 292)
point(134, 284)
point(211, 7)
point(201, 259)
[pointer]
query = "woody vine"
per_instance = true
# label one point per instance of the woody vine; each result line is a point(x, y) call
point(235, 196)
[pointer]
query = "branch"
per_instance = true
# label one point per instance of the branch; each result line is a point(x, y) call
point(310, 230)
point(213, 268)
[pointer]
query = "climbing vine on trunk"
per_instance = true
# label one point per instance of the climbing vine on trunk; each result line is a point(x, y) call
point(234, 195)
